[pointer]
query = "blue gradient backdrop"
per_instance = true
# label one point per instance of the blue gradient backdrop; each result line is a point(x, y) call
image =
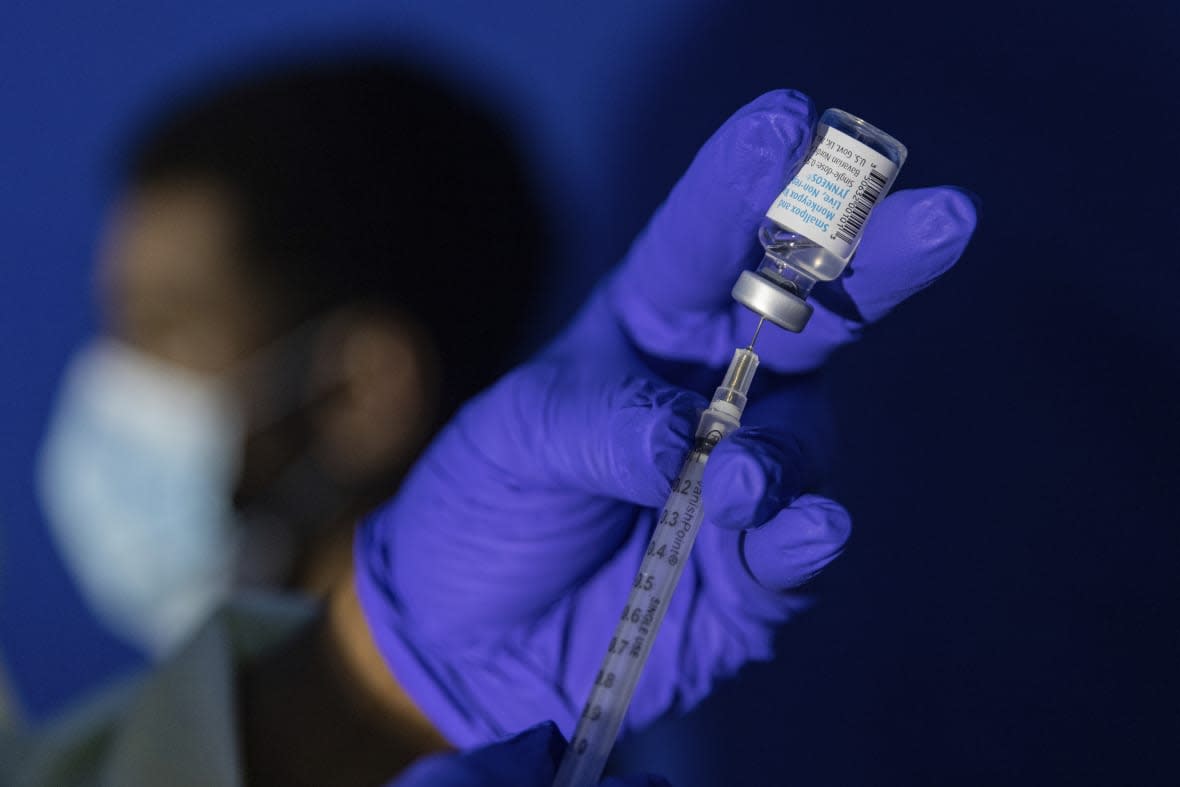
point(1007, 609)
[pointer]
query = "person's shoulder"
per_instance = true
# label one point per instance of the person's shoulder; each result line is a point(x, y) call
point(69, 749)
point(174, 725)
point(256, 621)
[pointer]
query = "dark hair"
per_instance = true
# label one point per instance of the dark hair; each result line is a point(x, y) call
point(361, 181)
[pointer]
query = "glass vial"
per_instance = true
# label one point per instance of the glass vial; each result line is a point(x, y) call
point(815, 225)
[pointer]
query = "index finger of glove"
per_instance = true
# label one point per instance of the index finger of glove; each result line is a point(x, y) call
point(701, 238)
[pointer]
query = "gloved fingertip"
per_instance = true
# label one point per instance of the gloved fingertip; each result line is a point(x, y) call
point(976, 200)
point(723, 196)
point(961, 209)
point(744, 484)
point(798, 543)
point(937, 217)
point(790, 115)
point(766, 140)
point(913, 238)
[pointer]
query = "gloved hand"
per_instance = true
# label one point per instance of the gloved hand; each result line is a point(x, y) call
point(529, 759)
point(493, 581)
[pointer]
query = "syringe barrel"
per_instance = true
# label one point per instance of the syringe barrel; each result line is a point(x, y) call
point(659, 572)
point(663, 563)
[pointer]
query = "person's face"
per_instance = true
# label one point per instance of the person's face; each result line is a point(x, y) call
point(173, 283)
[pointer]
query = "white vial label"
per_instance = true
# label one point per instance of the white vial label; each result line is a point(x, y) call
point(830, 199)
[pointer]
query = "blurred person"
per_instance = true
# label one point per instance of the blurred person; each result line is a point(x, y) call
point(303, 272)
point(484, 591)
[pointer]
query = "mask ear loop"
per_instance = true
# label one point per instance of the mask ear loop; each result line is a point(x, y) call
point(288, 513)
point(280, 369)
point(288, 358)
point(293, 506)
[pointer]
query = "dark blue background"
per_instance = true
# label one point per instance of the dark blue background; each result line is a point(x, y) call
point(1008, 608)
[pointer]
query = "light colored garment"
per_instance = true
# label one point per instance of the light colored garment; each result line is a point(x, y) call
point(176, 726)
point(8, 711)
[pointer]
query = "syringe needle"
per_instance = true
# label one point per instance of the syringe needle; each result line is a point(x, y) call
point(754, 338)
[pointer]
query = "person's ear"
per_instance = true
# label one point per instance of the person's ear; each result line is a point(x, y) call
point(380, 370)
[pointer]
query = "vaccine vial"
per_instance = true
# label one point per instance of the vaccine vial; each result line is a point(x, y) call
point(814, 226)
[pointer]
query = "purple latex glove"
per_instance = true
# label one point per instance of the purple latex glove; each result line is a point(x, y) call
point(492, 583)
point(529, 759)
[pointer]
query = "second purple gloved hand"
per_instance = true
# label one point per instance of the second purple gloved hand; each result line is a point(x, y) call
point(492, 583)
point(529, 759)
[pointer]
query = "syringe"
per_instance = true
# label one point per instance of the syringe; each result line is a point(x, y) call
point(803, 247)
point(663, 563)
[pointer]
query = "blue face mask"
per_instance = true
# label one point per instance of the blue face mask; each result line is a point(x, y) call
point(136, 476)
